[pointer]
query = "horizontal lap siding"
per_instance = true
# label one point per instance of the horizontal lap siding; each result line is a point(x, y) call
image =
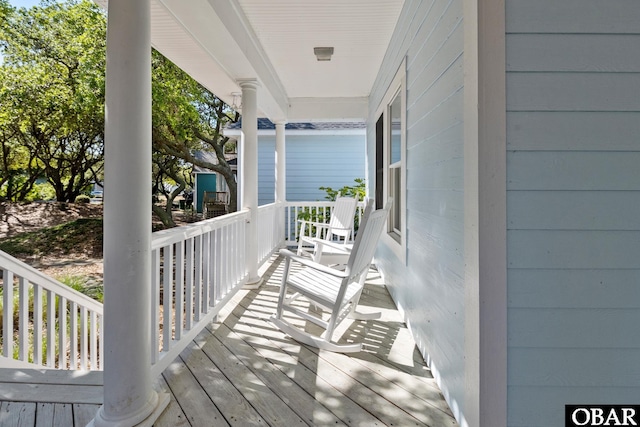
point(573, 205)
point(429, 288)
point(312, 162)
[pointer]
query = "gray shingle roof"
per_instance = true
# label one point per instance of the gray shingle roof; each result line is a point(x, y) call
point(266, 124)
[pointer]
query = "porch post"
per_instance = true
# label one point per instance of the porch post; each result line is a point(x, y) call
point(249, 150)
point(128, 395)
point(281, 164)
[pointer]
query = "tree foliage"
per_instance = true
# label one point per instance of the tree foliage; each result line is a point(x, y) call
point(52, 95)
point(52, 107)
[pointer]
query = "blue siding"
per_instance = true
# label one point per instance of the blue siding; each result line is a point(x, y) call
point(573, 206)
point(429, 288)
point(313, 161)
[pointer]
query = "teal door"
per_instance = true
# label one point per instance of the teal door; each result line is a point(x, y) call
point(204, 182)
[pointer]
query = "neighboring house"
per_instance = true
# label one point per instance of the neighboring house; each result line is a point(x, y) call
point(206, 180)
point(319, 154)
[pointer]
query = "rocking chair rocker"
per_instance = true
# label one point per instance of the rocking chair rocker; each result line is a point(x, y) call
point(336, 291)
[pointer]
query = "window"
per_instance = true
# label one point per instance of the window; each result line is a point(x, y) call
point(391, 161)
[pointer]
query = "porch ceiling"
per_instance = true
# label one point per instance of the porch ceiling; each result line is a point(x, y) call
point(220, 41)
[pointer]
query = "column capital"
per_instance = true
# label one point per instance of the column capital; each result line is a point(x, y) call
point(248, 83)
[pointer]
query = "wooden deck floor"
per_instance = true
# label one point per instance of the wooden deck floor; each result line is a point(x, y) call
point(243, 371)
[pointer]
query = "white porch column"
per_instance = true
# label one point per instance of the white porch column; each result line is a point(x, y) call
point(249, 150)
point(129, 399)
point(281, 164)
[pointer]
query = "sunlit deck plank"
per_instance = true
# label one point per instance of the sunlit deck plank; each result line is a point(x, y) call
point(54, 414)
point(270, 405)
point(173, 416)
point(83, 413)
point(193, 400)
point(17, 414)
point(221, 390)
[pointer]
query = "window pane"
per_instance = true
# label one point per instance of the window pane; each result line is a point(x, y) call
point(396, 131)
point(396, 190)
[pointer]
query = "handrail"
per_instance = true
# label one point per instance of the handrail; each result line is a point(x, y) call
point(70, 320)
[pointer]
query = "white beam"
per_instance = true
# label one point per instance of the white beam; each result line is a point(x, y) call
point(281, 163)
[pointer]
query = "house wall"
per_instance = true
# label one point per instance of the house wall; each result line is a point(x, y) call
point(573, 212)
point(428, 288)
point(313, 161)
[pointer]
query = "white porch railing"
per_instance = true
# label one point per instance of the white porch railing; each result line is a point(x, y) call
point(311, 211)
point(196, 270)
point(46, 323)
point(271, 235)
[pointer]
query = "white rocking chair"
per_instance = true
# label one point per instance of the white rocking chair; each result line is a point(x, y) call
point(337, 232)
point(336, 291)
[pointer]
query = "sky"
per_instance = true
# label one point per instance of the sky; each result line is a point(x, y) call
point(24, 3)
point(21, 3)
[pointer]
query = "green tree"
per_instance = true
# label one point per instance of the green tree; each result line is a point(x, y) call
point(188, 118)
point(52, 90)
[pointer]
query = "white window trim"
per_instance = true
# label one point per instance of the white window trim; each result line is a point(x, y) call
point(397, 243)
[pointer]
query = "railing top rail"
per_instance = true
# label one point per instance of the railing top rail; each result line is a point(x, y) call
point(178, 234)
point(319, 203)
point(22, 269)
point(268, 206)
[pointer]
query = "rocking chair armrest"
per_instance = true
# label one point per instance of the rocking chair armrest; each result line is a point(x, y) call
point(312, 264)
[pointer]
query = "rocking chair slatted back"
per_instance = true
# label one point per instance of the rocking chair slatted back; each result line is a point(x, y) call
point(341, 222)
point(340, 226)
point(366, 240)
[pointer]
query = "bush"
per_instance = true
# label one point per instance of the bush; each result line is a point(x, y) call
point(359, 190)
point(83, 199)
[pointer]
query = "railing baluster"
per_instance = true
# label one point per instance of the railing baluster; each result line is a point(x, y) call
point(24, 319)
point(51, 328)
point(7, 327)
point(167, 296)
point(198, 281)
point(62, 332)
point(189, 285)
point(217, 268)
point(100, 345)
point(94, 340)
point(206, 258)
point(37, 324)
point(179, 289)
point(73, 323)
point(84, 344)
point(225, 264)
point(155, 303)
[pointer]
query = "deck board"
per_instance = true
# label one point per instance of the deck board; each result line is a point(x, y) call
point(242, 370)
